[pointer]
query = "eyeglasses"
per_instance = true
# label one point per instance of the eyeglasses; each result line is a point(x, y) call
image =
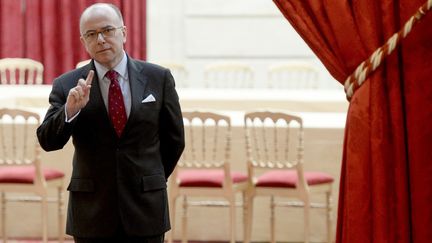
point(92, 35)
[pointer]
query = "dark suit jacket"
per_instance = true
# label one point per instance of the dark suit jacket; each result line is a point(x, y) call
point(118, 180)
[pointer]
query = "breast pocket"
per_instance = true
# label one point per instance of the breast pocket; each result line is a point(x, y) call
point(149, 106)
point(150, 101)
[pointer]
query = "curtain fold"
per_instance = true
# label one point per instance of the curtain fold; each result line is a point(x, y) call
point(48, 31)
point(12, 31)
point(385, 188)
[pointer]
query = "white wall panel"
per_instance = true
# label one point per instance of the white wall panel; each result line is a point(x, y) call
point(231, 7)
point(242, 36)
point(198, 32)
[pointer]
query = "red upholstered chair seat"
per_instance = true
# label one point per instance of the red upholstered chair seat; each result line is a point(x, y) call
point(21, 170)
point(203, 176)
point(26, 174)
point(275, 151)
point(288, 178)
point(207, 177)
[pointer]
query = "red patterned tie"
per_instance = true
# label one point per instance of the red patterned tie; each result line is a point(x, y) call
point(116, 107)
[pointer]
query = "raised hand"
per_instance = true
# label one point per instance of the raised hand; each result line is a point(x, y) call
point(79, 95)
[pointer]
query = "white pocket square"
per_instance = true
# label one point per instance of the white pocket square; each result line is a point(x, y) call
point(149, 98)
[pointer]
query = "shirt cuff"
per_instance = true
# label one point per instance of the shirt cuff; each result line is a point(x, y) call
point(71, 119)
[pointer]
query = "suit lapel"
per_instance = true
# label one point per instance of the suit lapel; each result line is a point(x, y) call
point(95, 101)
point(138, 82)
point(96, 105)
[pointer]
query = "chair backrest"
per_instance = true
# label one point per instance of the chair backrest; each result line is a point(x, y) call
point(228, 75)
point(20, 71)
point(179, 72)
point(18, 143)
point(82, 63)
point(274, 140)
point(292, 75)
point(208, 138)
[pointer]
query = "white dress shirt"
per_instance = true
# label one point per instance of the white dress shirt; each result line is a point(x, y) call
point(104, 84)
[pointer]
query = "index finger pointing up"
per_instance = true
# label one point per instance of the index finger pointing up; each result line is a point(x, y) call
point(89, 78)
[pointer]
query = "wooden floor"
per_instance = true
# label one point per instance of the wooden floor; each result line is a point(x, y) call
point(34, 241)
point(71, 241)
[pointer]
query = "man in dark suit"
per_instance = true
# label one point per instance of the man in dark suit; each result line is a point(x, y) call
point(124, 149)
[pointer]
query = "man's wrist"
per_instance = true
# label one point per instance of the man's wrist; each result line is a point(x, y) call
point(70, 115)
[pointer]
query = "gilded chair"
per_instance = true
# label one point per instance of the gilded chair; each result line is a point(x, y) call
point(204, 170)
point(22, 176)
point(20, 71)
point(179, 72)
point(82, 63)
point(292, 75)
point(274, 144)
point(228, 75)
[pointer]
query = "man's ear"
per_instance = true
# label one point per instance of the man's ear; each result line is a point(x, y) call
point(124, 32)
point(84, 43)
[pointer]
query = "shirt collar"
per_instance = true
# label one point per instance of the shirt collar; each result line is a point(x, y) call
point(121, 68)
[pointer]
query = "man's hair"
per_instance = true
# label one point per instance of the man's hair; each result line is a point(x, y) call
point(98, 5)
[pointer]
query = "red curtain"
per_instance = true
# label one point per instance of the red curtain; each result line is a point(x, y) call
point(48, 31)
point(386, 183)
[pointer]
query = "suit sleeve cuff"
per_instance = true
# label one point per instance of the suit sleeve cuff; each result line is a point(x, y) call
point(67, 120)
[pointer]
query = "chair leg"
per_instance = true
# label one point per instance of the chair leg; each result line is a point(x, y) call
point(306, 209)
point(329, 217)
point(233, 219)
point(272, 220)
point(248, 218)
point(172, 205)
point(44, 218)
point(3, 216)
point(184, 220)
point(245, 215)
point(61, 215)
